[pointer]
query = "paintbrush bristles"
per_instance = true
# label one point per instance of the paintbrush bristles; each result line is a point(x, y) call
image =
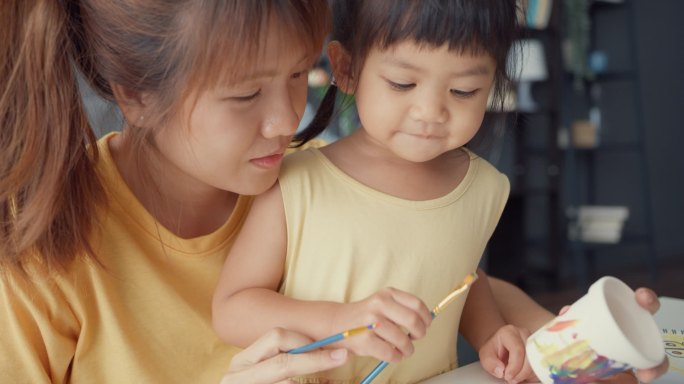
point(467, 281)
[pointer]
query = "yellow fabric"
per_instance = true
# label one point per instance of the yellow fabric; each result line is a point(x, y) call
point(144, 317)
point(346, 241)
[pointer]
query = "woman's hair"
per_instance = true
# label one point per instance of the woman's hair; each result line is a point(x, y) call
point(49, 189)
point(466, 26)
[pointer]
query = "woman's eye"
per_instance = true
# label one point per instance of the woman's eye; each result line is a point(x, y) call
point(298, 75)
point(400, 86)
point(246, 97)
point(464, 94)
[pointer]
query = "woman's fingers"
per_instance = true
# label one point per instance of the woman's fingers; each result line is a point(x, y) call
point(266, 362)
point(270, 344)
point(650, 374)
point(647, 299)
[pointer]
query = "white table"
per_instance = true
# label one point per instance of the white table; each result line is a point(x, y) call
point(470, 374)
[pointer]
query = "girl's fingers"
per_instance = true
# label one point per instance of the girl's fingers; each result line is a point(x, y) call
point(563, 310)
point(405, 310)
point(494, 366)
point(512, 340)
point(414, 304)
point(525, 370)
point(525, 373)
point(398, 343)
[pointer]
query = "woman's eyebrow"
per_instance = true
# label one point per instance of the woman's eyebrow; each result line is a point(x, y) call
point(265, 72)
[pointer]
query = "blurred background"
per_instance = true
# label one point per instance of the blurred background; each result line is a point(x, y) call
point(595, 160)
point(597, 176)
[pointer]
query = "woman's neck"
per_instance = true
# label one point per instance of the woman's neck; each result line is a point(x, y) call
point(179, 202)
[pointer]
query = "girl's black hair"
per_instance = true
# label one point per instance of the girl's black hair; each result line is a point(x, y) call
point(468, 26)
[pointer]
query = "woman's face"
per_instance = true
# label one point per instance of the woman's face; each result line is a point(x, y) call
point(238, 133)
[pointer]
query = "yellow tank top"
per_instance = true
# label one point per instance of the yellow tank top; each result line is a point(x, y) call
point(346, 241)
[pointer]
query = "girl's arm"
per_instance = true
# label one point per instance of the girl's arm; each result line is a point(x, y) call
point(501, 347)
point(247, 304)
point(517, 307)
point(481, 317)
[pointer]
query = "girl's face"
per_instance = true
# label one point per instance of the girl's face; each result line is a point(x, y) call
point(418, 102)
point(238, 133)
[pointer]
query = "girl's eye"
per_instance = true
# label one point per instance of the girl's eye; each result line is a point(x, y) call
point(246, 98)
point(400, 86)
point(463, 94)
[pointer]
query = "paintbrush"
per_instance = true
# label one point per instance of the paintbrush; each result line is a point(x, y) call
point(331, 339)
point(467, 282)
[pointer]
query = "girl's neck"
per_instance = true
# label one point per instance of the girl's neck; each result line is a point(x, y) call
point(379, 169)
point(182, 204)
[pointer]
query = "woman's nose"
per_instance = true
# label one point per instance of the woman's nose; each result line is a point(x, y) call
point(284, 117)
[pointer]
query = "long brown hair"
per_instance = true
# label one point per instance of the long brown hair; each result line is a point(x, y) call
point(49, 188)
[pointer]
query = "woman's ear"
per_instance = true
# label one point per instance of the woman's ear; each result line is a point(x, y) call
point(340, 60)
point(131, 103)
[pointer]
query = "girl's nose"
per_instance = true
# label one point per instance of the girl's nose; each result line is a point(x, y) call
point(429, 109)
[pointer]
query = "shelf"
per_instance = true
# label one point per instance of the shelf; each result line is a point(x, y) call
point(610, 147)
point(626, 241)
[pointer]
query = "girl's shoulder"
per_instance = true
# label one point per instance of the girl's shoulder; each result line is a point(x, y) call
point(485, 173)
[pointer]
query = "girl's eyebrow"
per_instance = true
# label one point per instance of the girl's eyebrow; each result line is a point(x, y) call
point(471, 71)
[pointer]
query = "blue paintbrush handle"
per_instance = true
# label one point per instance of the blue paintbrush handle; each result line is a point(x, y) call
point(375, 372)
point(378, 368)
point(331, 339)
point(317, 344)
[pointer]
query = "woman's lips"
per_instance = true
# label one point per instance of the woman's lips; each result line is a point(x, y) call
point(268, 162)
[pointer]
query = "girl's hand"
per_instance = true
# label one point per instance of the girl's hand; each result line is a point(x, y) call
point(648, 300)
point(400, 318)
point(265, 361)
point(503, 355)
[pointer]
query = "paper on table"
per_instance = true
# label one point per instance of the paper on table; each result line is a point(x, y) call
point(471, 374)
point(670, 320)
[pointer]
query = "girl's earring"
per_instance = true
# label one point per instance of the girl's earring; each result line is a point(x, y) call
point(333, 82)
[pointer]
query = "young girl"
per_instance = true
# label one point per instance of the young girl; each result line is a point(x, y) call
point(110, 253)
point(399, 203)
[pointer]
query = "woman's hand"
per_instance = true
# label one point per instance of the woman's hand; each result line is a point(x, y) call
point(266, 361)
point(648, 300)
